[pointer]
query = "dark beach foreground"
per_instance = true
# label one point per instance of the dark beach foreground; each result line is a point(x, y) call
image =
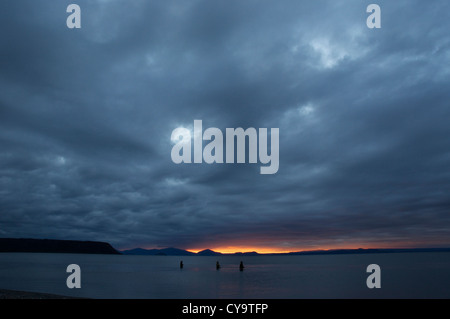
point(13, 294)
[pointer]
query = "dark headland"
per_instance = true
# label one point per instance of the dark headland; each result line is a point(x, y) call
point(27, 245)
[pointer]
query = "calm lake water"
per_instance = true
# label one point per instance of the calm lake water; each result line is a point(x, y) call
point(403, 275)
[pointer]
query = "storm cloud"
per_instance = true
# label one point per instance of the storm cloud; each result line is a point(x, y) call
point(86, 117)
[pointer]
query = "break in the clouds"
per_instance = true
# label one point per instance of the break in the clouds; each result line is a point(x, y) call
point(86, 117)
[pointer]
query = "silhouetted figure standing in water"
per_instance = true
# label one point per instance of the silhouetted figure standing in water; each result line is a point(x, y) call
point(217, 265)
point(241, 266)
point(181, 264)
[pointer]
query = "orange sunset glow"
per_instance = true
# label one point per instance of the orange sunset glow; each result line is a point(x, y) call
point(231, 249)
point(276, 247)
point(269, 250)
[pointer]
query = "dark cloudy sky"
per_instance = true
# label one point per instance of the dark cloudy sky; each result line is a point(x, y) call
point(86, 118)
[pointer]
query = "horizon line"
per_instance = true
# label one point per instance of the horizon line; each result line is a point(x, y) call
point(196, 251)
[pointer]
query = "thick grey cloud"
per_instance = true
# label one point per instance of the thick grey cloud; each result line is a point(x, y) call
point(86, 118)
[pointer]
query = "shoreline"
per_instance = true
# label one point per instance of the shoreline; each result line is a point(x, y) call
point(16, 294)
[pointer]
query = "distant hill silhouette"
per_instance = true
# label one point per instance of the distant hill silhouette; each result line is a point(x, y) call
point(368, 251)
point(161, 252)
point(93, 247)
point(178, 252)
point(55, 246)
point(141, 251)
point(208, 252)
point(250, 253)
